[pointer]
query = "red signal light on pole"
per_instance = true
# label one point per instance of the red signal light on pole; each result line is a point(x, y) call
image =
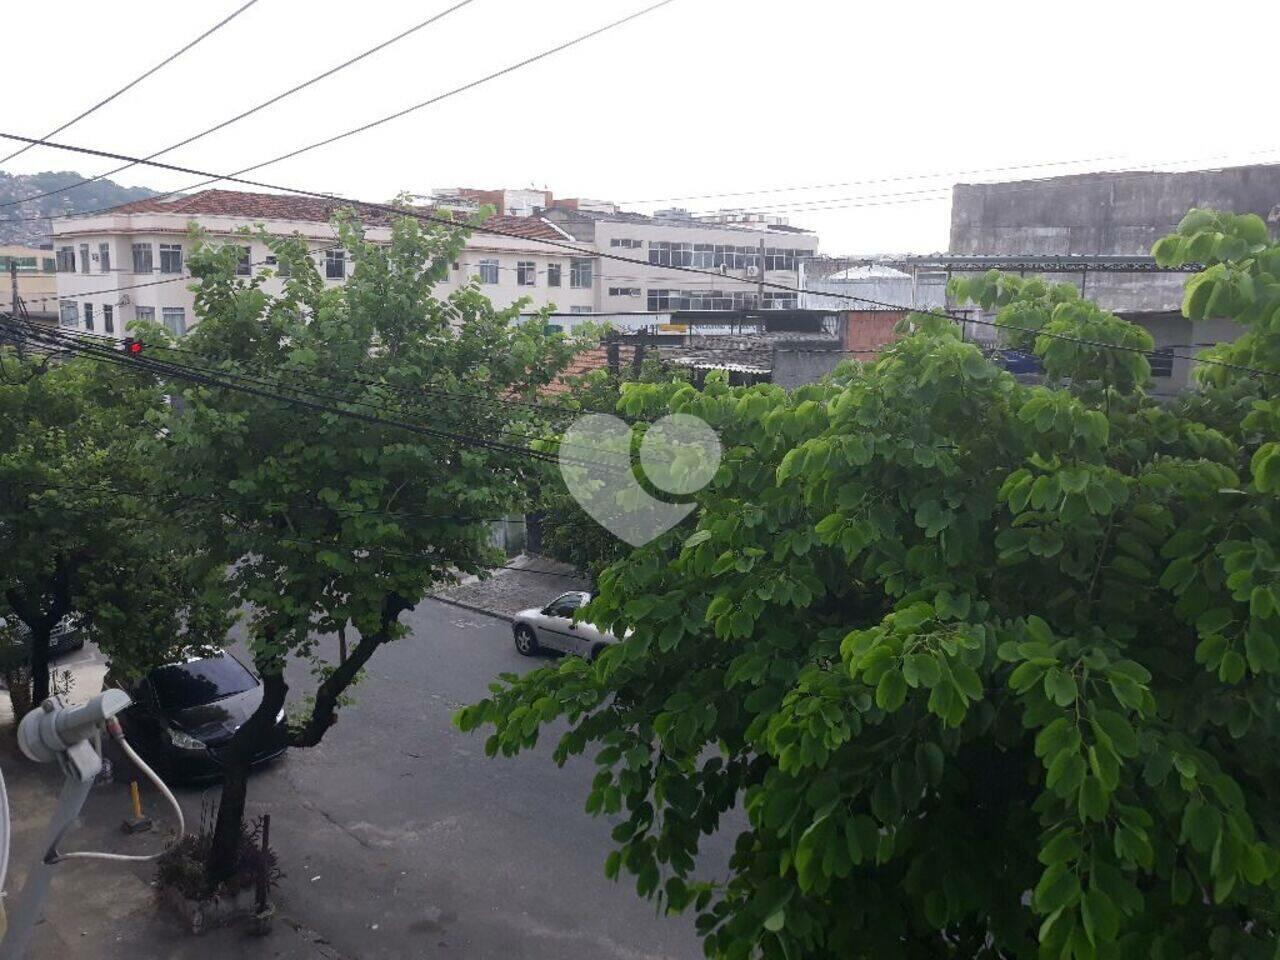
point(133, 346)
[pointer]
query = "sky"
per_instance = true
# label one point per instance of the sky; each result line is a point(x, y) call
point(873, 109)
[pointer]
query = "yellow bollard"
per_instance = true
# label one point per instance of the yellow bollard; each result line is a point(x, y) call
point(137, 823)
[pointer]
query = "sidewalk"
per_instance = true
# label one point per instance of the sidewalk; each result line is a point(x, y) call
point(525, 582)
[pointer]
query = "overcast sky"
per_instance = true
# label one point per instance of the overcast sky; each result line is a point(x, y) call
point(699, 97)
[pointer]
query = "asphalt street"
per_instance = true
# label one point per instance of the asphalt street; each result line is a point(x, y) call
point(401, 839)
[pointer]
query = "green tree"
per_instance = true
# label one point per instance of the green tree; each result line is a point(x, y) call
point(991, 668)
point(329, 521)
point(79, 535)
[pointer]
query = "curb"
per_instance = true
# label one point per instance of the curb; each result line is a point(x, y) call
point(474, 608)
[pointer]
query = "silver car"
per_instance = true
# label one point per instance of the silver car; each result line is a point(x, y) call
point(552, 627)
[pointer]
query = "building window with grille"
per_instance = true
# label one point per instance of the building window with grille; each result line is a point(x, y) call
point(659, 300)
point(170, 258)
point(335, 264)
point(624, 291)
point(553, 274)
point(108, 318)
point(1161, 362)
point(582, 310)
point(579, 274)
point(68, 314)
point(526, 273)
point(84, 258)
point(175, 320)
point(66, 260)
point(244, 266)
point(104, 258)
point(88, 316)
point(142, 262)
point(488, 271)
point(145, 314)
point(626, 243)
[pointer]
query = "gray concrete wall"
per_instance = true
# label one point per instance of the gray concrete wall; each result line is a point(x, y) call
point(1101, 213)
point(795, 364)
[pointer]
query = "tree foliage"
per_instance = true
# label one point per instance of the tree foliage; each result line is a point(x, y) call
point(81, 532)
point(330, 520)
point(992, 669)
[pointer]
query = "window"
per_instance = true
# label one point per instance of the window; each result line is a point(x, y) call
point(564, 605)
point(170, 258)
point(659, 300)
point(488, 271)
point(579, 273)
point(553, 274)
point(1161, 362)
point(665, 254)
point(84, 258)
point(335, 264)
point(244, 266)
point(526, 273)
point(108, 318)
point(625, 242)
point(142, 262)
point(104, 258)
point(66, 259)
point(780, 301)
point(88, 316)
point(582, 310)
point(145, 314)
point(175, 320)
point(68, 314)
point(49, 264)
point(274, 262)
point(704, 255)
point(779, 258)
point(624, 291)
point(21, 264)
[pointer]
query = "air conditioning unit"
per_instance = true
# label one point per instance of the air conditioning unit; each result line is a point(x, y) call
point(753, 271)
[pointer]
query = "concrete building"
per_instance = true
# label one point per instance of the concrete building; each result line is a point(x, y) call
point(129, 262)
point(1097, 229)
point(37, 282)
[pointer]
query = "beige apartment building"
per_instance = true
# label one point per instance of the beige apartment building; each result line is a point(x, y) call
point(129, 263)
point(577, 257)
point(36, 280)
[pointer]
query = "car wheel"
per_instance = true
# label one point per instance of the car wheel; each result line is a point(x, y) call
point(526, 641)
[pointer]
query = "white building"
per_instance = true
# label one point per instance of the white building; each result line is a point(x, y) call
point(127, 263)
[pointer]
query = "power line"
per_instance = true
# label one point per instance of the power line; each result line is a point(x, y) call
point(1132, 169)
point(131, 84)
point(560, 244)
point(249, 112)
point(407, 110)
point(181, 372)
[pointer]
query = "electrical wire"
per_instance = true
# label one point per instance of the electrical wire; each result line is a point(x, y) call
point(271, 101)
point(177, 371)
point(133, 83)
point(113, 727)
point(510, 68)
point(758, 283)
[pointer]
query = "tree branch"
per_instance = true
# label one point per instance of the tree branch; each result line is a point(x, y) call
point(324, 713)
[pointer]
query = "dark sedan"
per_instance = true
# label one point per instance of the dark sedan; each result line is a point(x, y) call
point(183, 713)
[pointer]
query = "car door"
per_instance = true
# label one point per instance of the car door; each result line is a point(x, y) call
point(556, 628)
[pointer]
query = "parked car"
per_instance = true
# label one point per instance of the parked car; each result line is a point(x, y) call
point(552, 627)
point(182, 713)
point(65, 637)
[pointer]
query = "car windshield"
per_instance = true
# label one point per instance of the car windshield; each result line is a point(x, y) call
point(180, 686)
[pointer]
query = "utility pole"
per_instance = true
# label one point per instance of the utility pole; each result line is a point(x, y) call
point(16, 300)
point(760, 277)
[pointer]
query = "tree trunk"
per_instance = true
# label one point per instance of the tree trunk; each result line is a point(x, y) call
point(235, 758)
point(40, 663)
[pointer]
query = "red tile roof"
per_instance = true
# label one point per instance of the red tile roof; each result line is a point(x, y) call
point(589, 360)
point(283, 206)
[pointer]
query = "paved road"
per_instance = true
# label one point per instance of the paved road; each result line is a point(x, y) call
point(399, 821)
